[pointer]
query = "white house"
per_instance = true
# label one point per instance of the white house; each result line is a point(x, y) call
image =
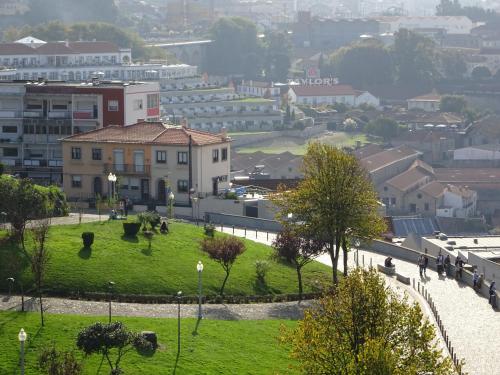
point(257, 88)
point(330, 94)
point(480, 152)
point(428, 102)
point(458, 202)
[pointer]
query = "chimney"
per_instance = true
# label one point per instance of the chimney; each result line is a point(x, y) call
point(223, 132)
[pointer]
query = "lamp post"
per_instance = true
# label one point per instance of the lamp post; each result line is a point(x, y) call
point(22, 336)
point(195, 206)
point(112, 181)
point(10, 280)
point(171, 198)
point(111, 284)
point(199, 268)
point(179, 294)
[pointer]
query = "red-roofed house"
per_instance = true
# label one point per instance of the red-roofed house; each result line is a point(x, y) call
point(428, 102)
point(330, 94)
point(149, 159)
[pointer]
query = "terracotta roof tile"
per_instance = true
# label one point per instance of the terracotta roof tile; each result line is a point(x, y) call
point(408, 179)
point(147, 133)
point(16, 49)
point(433, 189)
point(387, 157)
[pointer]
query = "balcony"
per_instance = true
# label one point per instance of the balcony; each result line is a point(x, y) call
point(127, 169)
point(32, 114)
point(11, 114)
point(83, 115)
point(59, 114)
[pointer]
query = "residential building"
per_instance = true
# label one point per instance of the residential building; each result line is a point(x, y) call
point(428, 103)
point(259, 165)
point(267, 90)
point(31, 58)
point(447, 24)
point(483, 131)
point(35, 115)
point(458, 202)
point(212, 109)
point(487, 155)
point(150, 159)
point(436, 145)
point(389, 163)
point(330, 94)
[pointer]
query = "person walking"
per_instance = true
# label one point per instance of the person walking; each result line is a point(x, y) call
point(421, 265)
point(492, 295)
point(459, 267)
point(440, 263)
point(475, 279)
point(426, 262)
point(447, 264)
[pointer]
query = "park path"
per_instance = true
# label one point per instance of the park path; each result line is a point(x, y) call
point(472, 325)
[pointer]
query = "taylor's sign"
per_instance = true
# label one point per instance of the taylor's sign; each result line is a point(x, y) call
point(314, 81)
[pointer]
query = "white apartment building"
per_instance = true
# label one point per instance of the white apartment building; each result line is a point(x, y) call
point(329, 95)
point(31, 58)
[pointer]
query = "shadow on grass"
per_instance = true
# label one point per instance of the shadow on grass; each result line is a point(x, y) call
point(132, 239)
point(148, 251)
point(85, 252)
point(260, 286)
point(176, 363)
point(195, 332)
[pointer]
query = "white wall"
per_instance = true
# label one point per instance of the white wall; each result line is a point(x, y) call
point(472, 153)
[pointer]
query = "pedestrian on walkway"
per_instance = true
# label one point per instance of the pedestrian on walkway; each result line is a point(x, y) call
point(493, 296)
point(426, 262)
point(440, 263)
point(475, 279)
point(447, 265)
point(459, 267)
point(421, 265)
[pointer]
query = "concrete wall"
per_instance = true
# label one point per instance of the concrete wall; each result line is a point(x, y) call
point(248, 139)
point(243, 222)
point(488, 268)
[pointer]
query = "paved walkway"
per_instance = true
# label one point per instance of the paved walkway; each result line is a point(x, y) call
point(472, 325)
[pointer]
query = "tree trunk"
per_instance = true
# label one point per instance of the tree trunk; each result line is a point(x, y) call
point(345, 252)
point(41, 305)
point(224, 284)
point(299, 278)
point(331, 252)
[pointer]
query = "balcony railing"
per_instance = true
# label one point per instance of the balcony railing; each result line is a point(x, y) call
point(130, 169)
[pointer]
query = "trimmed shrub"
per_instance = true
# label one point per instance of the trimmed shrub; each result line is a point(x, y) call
point(131, 229)
point(209, 230)
point(88, 238)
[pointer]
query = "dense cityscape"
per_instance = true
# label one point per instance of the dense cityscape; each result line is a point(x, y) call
point(249, 187)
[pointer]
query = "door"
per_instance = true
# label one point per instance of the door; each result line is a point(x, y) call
point(97, 186)
point(145, 189)
point(118, 163)
point(215, 186)
point(139, 161)
point(413, 208)
point(161, 196)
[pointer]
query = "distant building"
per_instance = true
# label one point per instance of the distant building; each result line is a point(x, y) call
point(478, 156)
point(436, 144)
point(260, 89)
point(259, 165)
point(330, 94)
point(149, 158)
point(448, 24)
point(483, 131)
point(428, 103)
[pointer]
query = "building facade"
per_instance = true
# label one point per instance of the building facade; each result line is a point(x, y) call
point(150, 160)
point(329, 95)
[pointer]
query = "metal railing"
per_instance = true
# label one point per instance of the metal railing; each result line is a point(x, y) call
point(137, 169)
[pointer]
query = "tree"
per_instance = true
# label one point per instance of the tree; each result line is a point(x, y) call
point(383, 127)
point(39, 258)
point(334, 201)
point(363, 327)
point(103, 338)
point(278, 55)
point(223, 250)
point(480, 73)
point(296, 250)
point(453, 64)
point(362, 64)
point(2, 168)
point(54, 362)
point(453, 103)
point(235, 48)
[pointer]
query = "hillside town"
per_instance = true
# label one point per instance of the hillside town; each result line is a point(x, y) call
point(344, 146)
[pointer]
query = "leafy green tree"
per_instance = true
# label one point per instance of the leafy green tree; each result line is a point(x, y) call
point(453, 64)
point(335, 201)
point(235, 48)
point(278, 54)
point(362, 64)
point(453, 103)
point(383, 127)
point(480, 73)
point(223, 250)
point(54, 362)
point(296, 250)
point(363, 327)
point(105, 339)
point(415, 58)
point(448, 8)
point(39, 258)
point(2, 168)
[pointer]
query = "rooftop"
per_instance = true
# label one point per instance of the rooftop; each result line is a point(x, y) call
point(431, 97)
point(388, 157)
point(409, 178)
point(433, 189)
point(155, 133)
point(33, 46)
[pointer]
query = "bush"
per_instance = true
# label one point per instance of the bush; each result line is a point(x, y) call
point(149, 217)
point(231, 195)
point(88, 238)
point(209, 229)
point(261, 268)
point(131, 229)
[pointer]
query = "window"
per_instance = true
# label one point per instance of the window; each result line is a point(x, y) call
point(76, 181)
point(76, 153)
point(153, 101)
point(113, 105)
point(419, 196)
point(9, 129)
point(60, 107)
point(393, 201)
point(182, 157)
point(10, 151)
point(426, 206)
point(182, 186)
point(385, 188)
point(161, 157)
point(224, 154)
point(134, 184)
point(96, 154)
point(215, 155)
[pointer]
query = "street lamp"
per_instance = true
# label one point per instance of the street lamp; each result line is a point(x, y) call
point(179, 294)
point(199, 268)
point(195, 206)
point(111, 284)
point(22, 336)
point(10, 280)
point(112, 180)
point(171, 198)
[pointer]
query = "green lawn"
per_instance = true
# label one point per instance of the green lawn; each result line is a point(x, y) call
point(298, 146)
point(169, 267)
point(217, 347)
